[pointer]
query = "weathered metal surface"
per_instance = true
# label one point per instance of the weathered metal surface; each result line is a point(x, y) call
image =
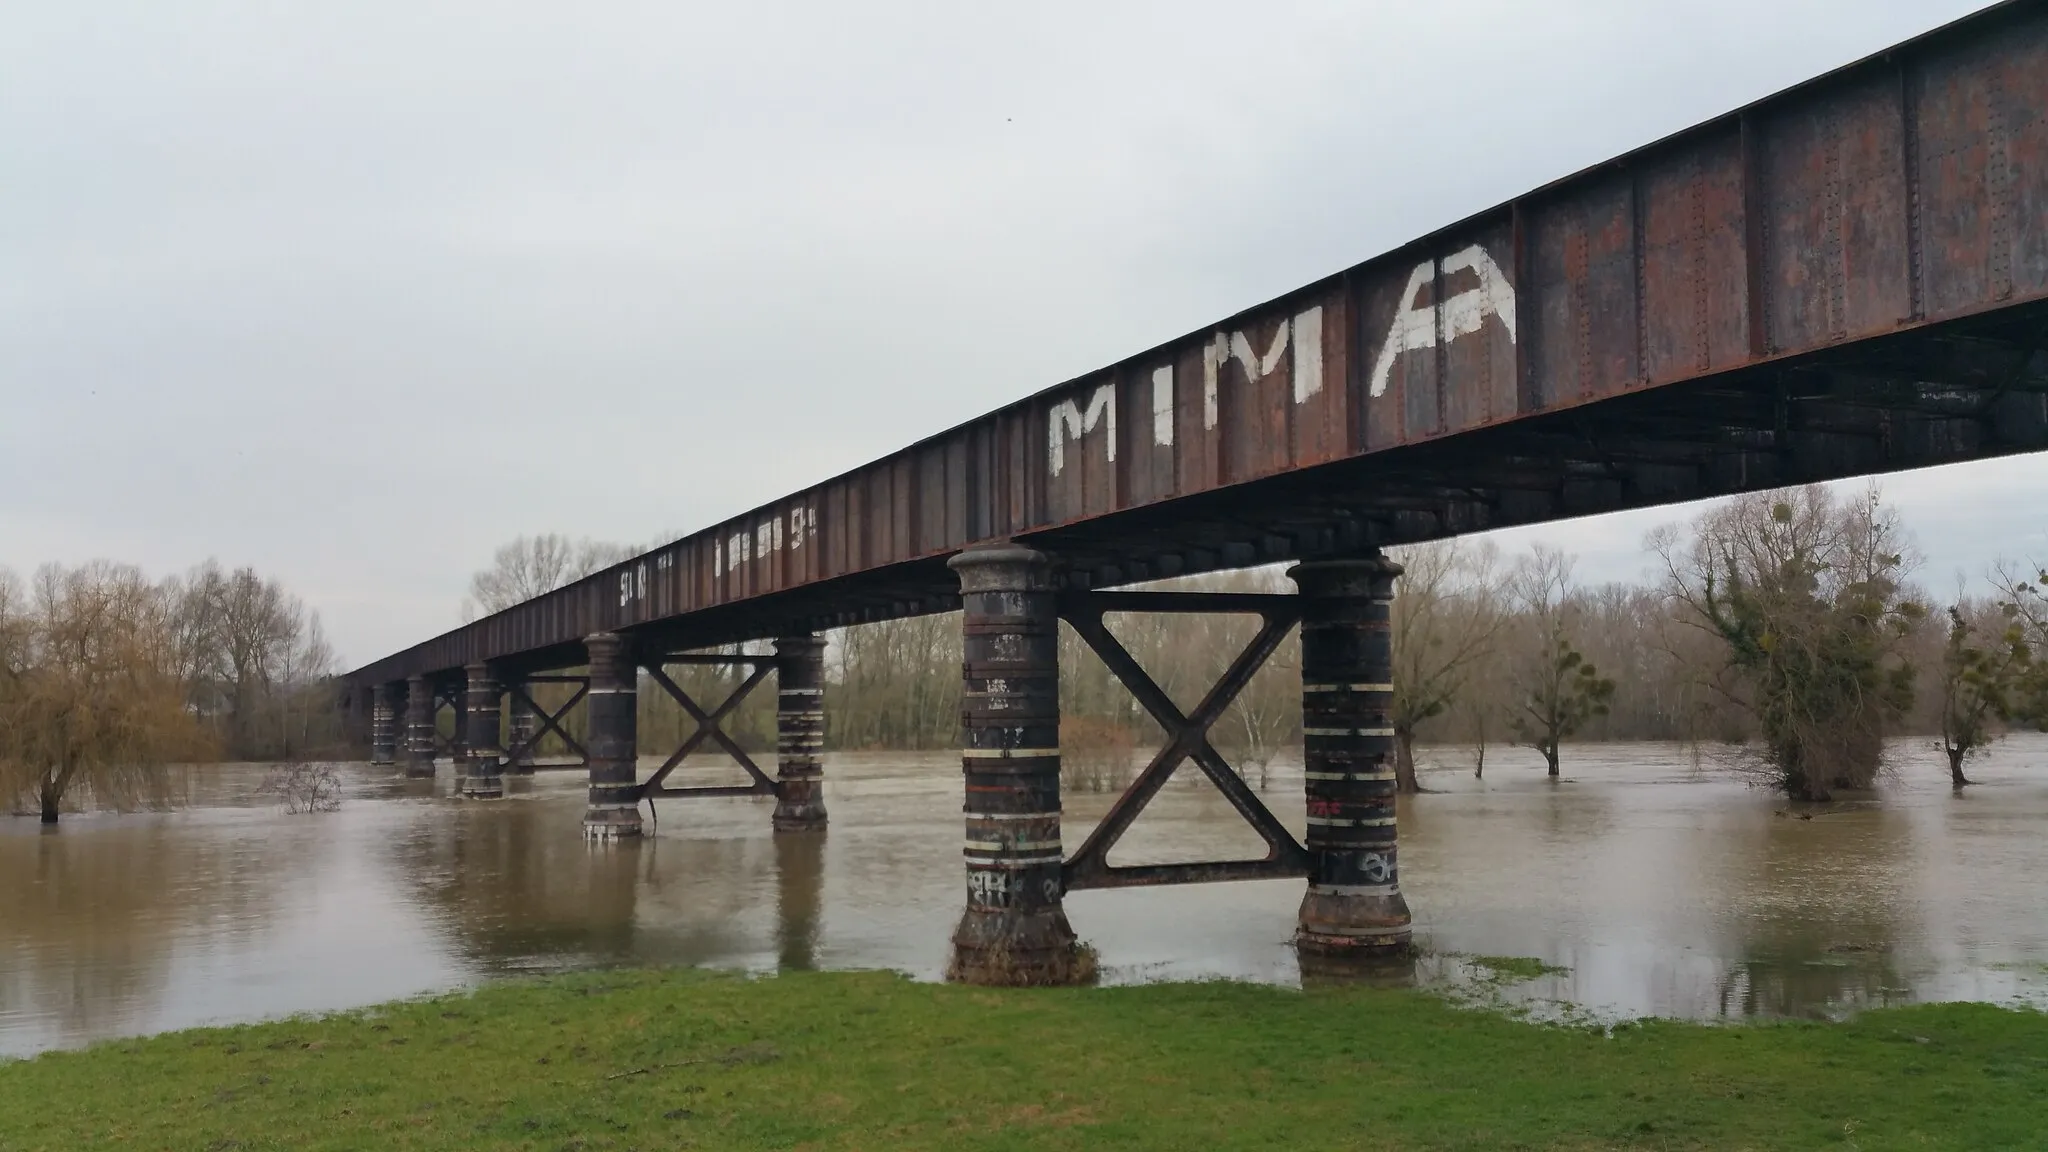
point(519, 729)
point(481, 718)
point(1848, 277)
point(710, 728)
point(1187, 736)
point(799, 733)
point(1014, 929)
point(455, 696)
point(539, 721)
point(384, 725)
point(1354, 904)
point(419, 728)
point(613, 810)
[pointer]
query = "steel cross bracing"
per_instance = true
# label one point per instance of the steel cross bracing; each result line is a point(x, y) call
point(546, 721)
point(1187, 736)
point(450, 744)
point(709, 727)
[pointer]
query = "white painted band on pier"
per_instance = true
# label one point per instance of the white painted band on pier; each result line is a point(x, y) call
point(1388, 774)
point(1347, 687)
point(1362, 822)
point(1011, 861)
point(1026, 846)
point(1007, 753)
point(1342, 732)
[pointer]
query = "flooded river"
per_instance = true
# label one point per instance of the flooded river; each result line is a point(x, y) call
point(1663, 887)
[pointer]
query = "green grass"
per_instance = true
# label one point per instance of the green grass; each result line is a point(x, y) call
point(1514, 969)
point(688, 1059)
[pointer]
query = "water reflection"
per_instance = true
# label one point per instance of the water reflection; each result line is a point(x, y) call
point(511, 885)
point(799, 890)
point(1654, 886)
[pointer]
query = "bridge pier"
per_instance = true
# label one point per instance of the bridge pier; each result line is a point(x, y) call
point(419, 729)
point(1354, 905)
point(458, 735)
point(613, 809)
point(519, 731)
point(482, 716)
point(383, 726)
point(1014, 930)
point(799, 733)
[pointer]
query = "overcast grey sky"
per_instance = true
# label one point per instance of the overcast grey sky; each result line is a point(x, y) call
point(355, 292)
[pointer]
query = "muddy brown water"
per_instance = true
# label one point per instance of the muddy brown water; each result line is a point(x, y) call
point(1661, 884)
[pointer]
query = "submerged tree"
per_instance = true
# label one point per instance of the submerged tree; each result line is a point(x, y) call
point(1987, 672)
point(1447, 615)
point(1556, 690)
point(1557, 695)
point(89, 691)
point(1807, 596)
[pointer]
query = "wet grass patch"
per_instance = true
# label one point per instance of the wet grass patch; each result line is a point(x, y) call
point(1513, 969)
point(688, 1059)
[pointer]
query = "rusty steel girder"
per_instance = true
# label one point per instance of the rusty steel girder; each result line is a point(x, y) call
point(1845, 278)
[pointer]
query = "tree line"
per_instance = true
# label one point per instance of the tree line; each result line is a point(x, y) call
point(106, 676)
point(1782, 626)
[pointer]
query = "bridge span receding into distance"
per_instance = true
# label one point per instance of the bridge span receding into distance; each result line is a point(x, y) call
point(1847, 278)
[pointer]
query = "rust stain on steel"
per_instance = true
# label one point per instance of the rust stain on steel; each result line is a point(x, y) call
point(1906, 190)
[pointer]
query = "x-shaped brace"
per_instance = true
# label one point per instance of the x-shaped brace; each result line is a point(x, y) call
point(1187, 736)
point(451, 743)
point(708, 728)
point(546, 722)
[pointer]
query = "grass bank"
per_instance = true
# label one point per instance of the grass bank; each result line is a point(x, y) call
point(870, 1061)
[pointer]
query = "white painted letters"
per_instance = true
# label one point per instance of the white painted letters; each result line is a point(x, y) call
point(1416, 328)
point(1304, 329)
point(771, 535)
point(1067, 420)
point(1162, 405)
point(633, 584)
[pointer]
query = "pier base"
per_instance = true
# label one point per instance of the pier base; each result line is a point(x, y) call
point(482, 715)
point(613, 810)
point(383, 726)
point(799, 733)
point(1354, 905)
point(1014, 930)
point(419, 729)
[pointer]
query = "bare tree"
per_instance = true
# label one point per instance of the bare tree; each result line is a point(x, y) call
point(1447, 617)
point(1556, 689)
point(301, 787)
point(895, 684)
point(532, 565)
point(259, 624)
